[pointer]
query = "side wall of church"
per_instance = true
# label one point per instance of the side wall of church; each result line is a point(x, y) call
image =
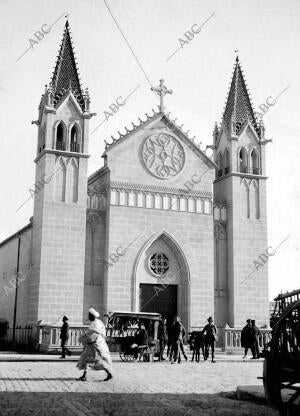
point(8, 272)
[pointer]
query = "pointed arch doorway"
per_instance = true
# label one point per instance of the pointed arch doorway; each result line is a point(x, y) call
point(161, 279)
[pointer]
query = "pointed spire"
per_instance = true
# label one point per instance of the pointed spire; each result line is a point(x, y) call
point(65, 76)
point(238, 107)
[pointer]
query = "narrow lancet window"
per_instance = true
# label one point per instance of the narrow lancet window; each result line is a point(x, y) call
point(254, 162)
point(227, 162)
point(243, 163)
point(74, 143)
point(220, 165)
point(60, 142)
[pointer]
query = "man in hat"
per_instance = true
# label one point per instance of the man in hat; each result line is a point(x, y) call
point(255, 334)
point(210, 334)
point(246, 337)
point(64, 336)
point(178, 335)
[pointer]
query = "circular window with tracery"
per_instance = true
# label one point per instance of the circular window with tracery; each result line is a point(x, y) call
point(159, 264)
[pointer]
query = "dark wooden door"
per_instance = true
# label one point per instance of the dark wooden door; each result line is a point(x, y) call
point(159, 298)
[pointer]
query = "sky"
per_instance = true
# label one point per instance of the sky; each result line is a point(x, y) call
point(265, 33)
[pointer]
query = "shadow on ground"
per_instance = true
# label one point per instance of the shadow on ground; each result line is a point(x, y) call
point(131, 404)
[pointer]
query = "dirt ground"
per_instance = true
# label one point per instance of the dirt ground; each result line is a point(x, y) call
point(158, 389)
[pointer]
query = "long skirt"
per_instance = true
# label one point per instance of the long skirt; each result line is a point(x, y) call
point(97, 355)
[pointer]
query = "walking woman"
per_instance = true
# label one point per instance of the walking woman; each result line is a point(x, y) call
point(95, 352)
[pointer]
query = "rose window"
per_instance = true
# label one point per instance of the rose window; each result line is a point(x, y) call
point(163, 155)
point(159, 264)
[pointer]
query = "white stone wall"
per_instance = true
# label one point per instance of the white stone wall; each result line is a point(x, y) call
point(8, 269)
point(145, 209)
point(59, 227)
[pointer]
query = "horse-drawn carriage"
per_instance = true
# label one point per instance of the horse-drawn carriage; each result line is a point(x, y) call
point(282, 355)
point(122, 330)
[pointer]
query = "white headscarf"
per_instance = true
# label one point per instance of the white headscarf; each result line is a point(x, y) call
point(93, 312)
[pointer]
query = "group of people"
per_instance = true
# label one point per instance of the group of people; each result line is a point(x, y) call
point(173, 336)
point(249, 339)
point(96, 352)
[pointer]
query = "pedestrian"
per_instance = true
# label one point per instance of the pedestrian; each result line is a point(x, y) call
point(64, 336)
point(246, 337)
point(181, 340)
point(95, 351)
point(162, 335)
point(178, 335)
point(170, 351)
point(210, 334)
point(255, 334)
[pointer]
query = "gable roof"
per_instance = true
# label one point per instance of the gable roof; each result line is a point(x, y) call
point(172, 126)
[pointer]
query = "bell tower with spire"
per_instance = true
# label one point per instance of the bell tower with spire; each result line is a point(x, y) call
point(241, 289)
point(59, 221)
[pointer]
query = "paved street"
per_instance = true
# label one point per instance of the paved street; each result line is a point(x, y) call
point(160, 389)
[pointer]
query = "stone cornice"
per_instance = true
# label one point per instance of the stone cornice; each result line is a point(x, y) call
point(60, 153)
point(158, 189)
point(241, 175)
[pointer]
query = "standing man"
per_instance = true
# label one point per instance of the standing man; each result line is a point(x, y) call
point(255, 334)
point(170, 330)
point(210, 333)
point(162, 335)
point(64, 336)
point(178, 334)
point(246, 337)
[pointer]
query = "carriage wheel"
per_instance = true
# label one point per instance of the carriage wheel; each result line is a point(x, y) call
point(127, 357)
point(272, 384)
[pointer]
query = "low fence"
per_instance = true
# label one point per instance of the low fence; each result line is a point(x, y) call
point(24, 336)
point(232, 339)
point(46, 338)
point(49, 338)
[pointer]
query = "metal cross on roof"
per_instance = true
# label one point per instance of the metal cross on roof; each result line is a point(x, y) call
point(162, 90)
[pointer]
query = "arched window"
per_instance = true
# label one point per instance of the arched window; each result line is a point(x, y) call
point(60, 181)
point(245, 206)
point(243, 162)
point(74, 142)
point(254, 162)
point(73, 181)
point(60, 140)
point(220, 165)
point(254, 200)
point(226, 162)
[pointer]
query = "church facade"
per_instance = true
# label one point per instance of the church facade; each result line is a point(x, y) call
point(161, 227)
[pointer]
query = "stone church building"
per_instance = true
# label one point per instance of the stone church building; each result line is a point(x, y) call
point(160, 227)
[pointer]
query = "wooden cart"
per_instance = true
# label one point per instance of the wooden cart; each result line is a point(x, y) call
point(121, 330)
point(281, 373)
